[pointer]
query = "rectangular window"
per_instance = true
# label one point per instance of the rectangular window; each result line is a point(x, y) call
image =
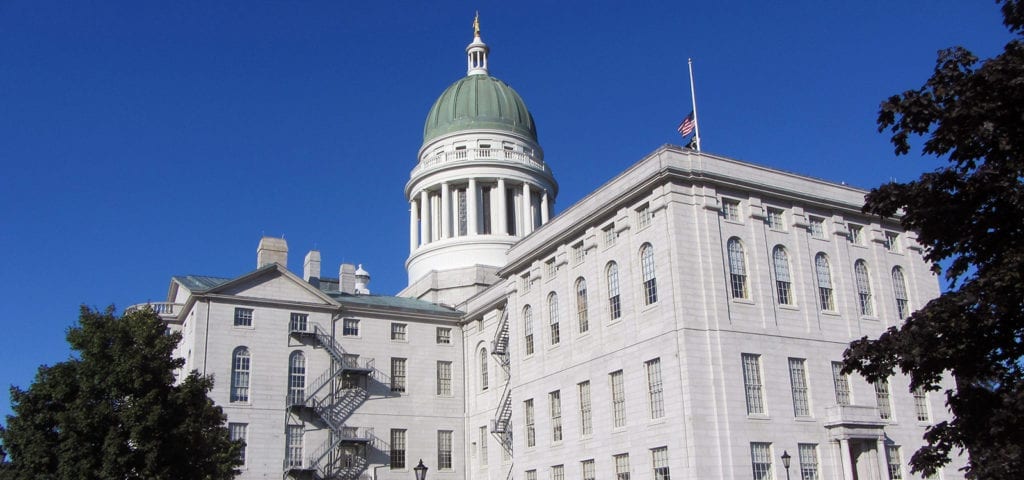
point(293, 439)
point(350, 327)
point(816, 225)
point(531, 475)
point(525, 279)
point(586, 413)
point(238, 431)
point(397, 374)
point(398, 332)
point(883, 399)
point(921, 404)
point(483, 445)
point(397, 455)
point(659, 459)
point(622, 466)
point(577, 253)
point(587, 467)
point(549, 268)
point(892, 242)
point(609, 235)
point(761, 460)
point(808, 453)
point(731, 209)
point(842, 383)
point(644, 216)
point(776, 219)
point(444, 449)
point(444, 336)
point(558, 472)
point(485, 210)
point(531, 430)
point(752, 384)
point(618, 399)
point(299, 322)
point(856, 234)
point(555, 404)
point(528, 329)
point(892, 454)
point(444, 378)
point(655, 396)
point(463, 216)
point(243, 317)
point(798, 382)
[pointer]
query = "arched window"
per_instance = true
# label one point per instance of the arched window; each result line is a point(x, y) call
point(528, 329)
point(737, 269)
point(553, 318)
point(647, 267)
point(860, 274)
point(824, 275)
point(614, 301)
point(240, 369)
point(581, 305)
point(899, 287)
point(296, 378)
point(783, 282)
point(483, 369)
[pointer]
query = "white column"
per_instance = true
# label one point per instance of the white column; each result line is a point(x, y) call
point(844, 452)
point(424, 218)
point(414, 241)
point(527, 211)
point(883, 463)
point(501, 217)
point(446, 211)
point(544, 208)
point(471, 203)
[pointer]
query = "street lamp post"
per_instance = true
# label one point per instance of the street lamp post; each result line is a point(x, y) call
point(785, 462)
point(420, 470)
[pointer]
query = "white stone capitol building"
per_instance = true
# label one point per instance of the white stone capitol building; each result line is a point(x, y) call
point(682, 321)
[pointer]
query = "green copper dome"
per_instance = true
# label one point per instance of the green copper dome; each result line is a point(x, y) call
point(479, 101)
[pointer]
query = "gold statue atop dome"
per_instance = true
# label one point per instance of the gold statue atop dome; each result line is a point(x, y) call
point(476, 24)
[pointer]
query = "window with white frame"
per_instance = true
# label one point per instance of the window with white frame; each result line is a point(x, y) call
point(883, 399)
point(239, 431)
point(899, 287)
point(892, 242)
point(444, 449)
point(528, 329)
point(296, 378)
point(860, 274)
point(550, 268)
point(609, 234)
point(350, 327)
point(752, 384)
point(586, 412)
point(824, 275)
point(621, 466)
point(553, 323)
point(895, 464)
point(731, 209)
point(294, 441)
point(614, 301)
point(588, 470)
point(798, 383)
point(856, 233)
point(647, 267)
point(555, 408)
point(816, 226)
point(243, 317)
point(483, 445)
point(783, 281)
point(644, 215)
point(737, 269)
point(558, 472)
point(240, 371)
point(776, 219)
point(659, 460)
point(397, 452)
point(808, 456)
point(484, 370)
point(526, 281)
point(761, 460)
point(921, 404)
point(444, 378)
point(397, 374)
point(444, 336)
point(655, 390)
point(581, 305)
point(618, 399)
point(398, 332)
point(577, 253)
point(842, 384)
point(531, 475)
point(299, 322)
point(528, 417)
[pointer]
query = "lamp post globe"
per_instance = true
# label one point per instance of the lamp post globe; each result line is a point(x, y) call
point(420, 470)
point(785, 462)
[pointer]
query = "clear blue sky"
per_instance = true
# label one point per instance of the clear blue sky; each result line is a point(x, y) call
point(141, 140)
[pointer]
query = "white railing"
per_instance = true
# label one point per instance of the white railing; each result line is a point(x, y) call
point(480, 154)
point(852, 414)
point(160, 308)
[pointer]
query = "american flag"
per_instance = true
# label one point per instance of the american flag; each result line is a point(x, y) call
point(686, 126)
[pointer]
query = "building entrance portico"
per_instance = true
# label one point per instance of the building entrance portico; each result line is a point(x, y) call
point(858, 434)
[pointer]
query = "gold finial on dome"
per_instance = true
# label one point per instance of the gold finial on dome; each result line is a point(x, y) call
point(476, 24)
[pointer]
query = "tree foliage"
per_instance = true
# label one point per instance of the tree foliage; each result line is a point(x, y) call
point(969, 215)
point(115, 410)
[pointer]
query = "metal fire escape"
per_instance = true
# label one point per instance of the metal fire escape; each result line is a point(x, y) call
point(501, 425)
point(331, 398)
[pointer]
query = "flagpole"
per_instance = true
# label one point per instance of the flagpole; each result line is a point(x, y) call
point(693, 99)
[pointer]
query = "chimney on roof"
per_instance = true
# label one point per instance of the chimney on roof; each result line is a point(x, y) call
point(347, 278)
point(272, 250)
point(311, 268)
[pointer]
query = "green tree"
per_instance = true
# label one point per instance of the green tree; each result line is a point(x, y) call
point(115, 411)
point(969, 215)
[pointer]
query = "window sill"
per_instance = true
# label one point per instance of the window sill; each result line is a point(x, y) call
point(759, 417)
point(805, 419)
point(734, 222)
point(870, 318)
point(742, 301)
point(831, 313)
point(786, 306)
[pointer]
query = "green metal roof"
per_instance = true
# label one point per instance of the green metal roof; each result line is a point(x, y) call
point(479, 101)
point(388, 301)
point(198, 283)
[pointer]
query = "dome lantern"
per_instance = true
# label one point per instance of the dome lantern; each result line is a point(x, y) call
point(476, 52)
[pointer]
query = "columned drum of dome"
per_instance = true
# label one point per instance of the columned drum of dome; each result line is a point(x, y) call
point(481, 181)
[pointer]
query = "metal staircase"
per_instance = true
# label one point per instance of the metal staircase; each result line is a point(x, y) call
point(501, 425)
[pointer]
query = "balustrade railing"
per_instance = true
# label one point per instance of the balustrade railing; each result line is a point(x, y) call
point(480, 153)
point(160, 308)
